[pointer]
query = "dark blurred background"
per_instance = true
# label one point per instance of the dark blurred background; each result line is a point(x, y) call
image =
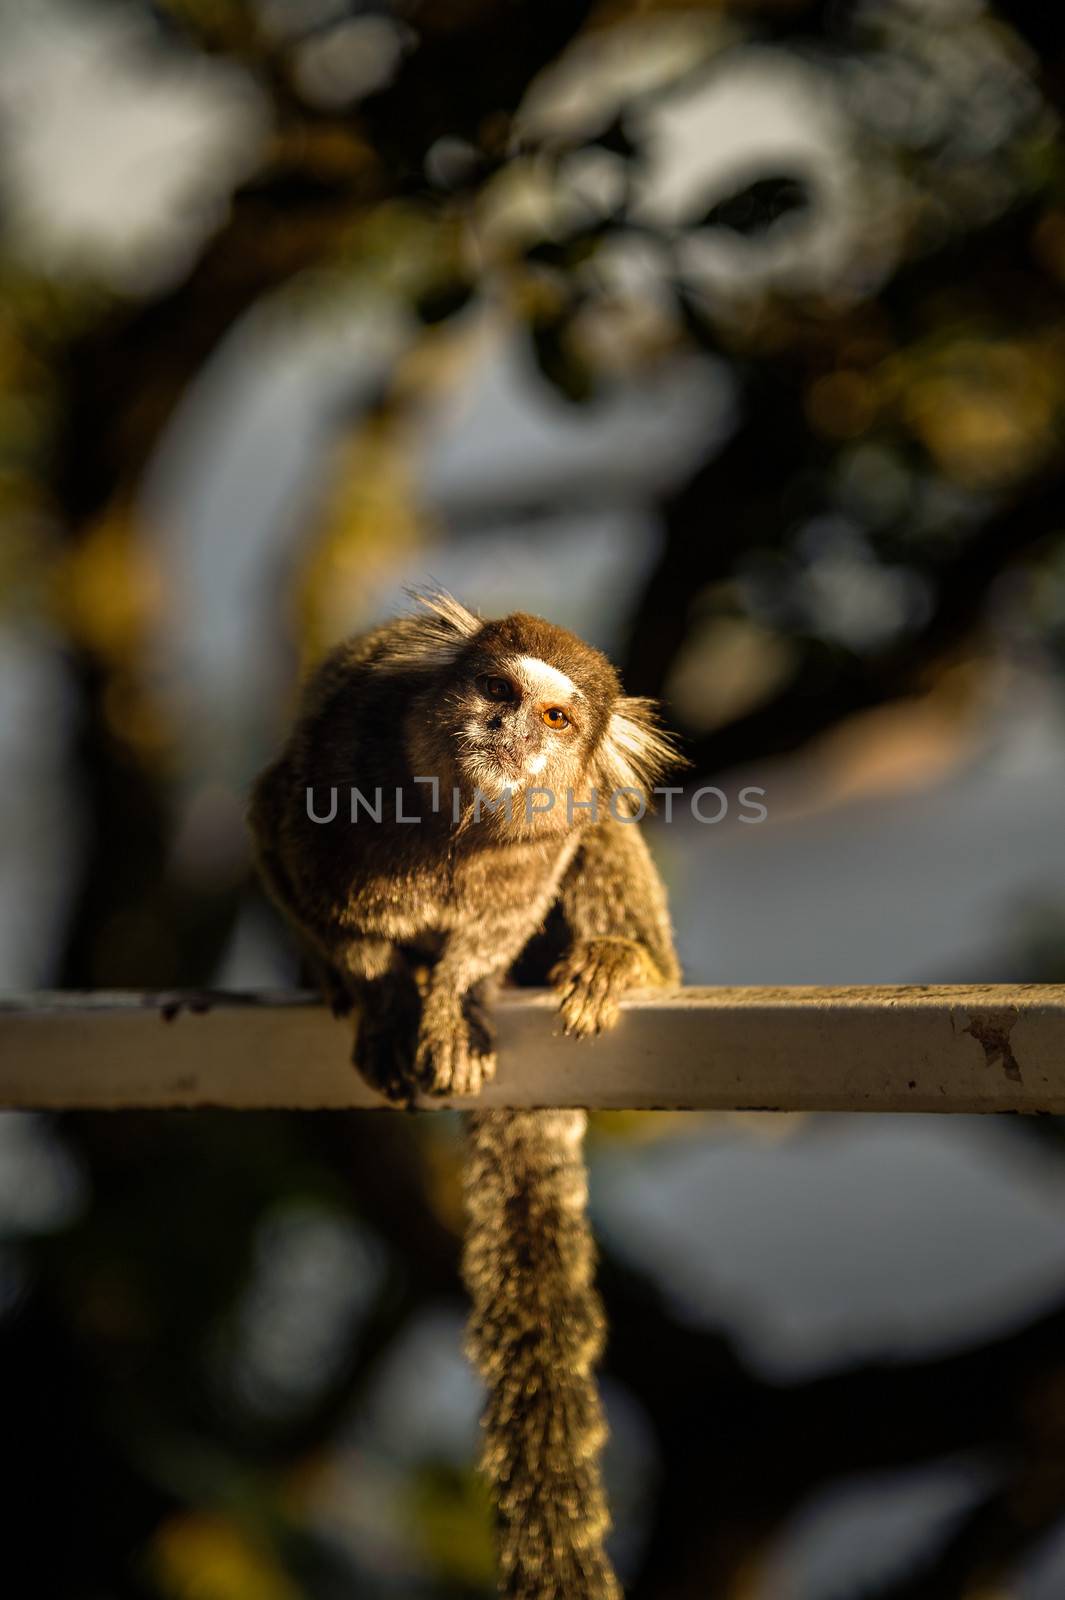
point(733, 336)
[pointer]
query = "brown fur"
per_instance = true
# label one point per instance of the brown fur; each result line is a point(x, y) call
point(411, 922)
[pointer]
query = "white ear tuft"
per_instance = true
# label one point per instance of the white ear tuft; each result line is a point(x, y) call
point(635, 751)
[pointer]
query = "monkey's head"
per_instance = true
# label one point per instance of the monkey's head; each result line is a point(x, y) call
point(520, 704)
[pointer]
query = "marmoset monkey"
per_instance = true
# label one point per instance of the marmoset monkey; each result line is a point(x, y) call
point(455, 794)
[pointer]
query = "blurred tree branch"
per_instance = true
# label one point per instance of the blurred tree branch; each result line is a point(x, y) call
point(119, 383)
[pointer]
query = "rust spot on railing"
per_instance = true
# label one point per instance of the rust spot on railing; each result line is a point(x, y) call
point(992, 1029)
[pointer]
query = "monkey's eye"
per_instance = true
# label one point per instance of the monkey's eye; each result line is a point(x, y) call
point(555, 718)
point(498, 688)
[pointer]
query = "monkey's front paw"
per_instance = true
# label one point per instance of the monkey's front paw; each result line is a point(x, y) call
point(385, 1039)
point(383, 1056)
point(454, 1054)
point(591, 979)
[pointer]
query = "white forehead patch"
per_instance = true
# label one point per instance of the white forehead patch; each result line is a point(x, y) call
point(541, 678)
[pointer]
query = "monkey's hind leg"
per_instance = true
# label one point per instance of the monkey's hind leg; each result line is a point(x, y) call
point(614, 907)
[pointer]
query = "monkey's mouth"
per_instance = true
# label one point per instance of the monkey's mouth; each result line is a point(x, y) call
point(494, 767)
point(509, 765)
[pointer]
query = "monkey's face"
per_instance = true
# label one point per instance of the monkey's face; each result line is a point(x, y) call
point(525, 707)
point(522, 725)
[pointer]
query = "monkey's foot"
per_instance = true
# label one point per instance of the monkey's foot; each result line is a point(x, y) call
point(384, 1052)
point(591, 979)
point(481, 1044)
point(455, 1054)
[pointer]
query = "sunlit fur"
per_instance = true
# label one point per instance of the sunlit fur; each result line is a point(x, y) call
point(410, 922)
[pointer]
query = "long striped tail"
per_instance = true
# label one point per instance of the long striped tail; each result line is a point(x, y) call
point(535, 1333)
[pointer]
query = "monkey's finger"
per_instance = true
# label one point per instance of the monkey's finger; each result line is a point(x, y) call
point(567, 971)
point(601, 979)
point(577, 1017)
point(480, 1056)
point(446, 1067)
point(465, 1079)
point(469, 1072)
point(569, 983)
point(480, 1069)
